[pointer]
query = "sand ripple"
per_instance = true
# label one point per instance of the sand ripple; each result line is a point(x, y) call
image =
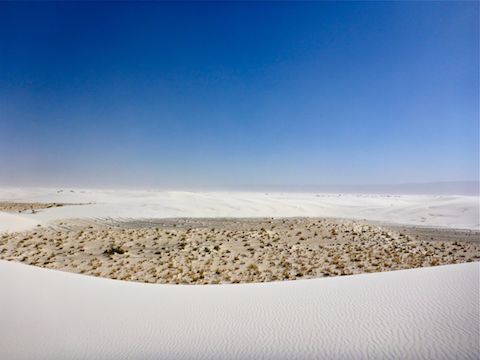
point(430, 313)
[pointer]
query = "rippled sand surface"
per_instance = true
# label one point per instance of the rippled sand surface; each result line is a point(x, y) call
point(427, 313)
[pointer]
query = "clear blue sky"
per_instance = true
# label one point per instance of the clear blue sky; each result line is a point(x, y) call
point(185, 94)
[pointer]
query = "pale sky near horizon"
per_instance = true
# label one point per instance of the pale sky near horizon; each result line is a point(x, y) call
point(186, 94)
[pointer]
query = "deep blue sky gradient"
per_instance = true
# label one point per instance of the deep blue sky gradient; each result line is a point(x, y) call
point(185, 94)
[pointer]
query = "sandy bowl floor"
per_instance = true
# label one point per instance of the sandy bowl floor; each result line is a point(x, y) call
point(215, 251)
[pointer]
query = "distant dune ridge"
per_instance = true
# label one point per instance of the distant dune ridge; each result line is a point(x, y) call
point(453, 211)
point(427, 188)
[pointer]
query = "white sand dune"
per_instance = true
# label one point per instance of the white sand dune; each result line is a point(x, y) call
point(429, 210)
point(14, 222)
point(430, 313)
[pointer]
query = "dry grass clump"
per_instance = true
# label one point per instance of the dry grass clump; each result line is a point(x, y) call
point(112, 250)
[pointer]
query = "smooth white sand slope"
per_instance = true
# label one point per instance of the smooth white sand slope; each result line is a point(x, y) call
point(13, 222)
point(429, 210)
point(430, 313)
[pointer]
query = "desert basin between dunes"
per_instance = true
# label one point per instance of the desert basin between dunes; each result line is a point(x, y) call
point(139, 236)
point(194, 238)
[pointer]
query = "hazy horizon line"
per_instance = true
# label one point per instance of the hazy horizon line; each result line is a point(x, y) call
point(462, 187)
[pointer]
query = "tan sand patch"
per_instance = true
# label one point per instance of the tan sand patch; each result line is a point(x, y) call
point(213, 251)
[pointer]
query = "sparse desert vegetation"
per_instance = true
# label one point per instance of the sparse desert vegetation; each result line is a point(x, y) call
point(30, 207)
point(214, 251)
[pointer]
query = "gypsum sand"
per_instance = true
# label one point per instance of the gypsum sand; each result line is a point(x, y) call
point(214, 251)
point(21, 207)
point(30, 207)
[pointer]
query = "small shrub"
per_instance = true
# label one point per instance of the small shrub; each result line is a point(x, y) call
point(114, 250)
